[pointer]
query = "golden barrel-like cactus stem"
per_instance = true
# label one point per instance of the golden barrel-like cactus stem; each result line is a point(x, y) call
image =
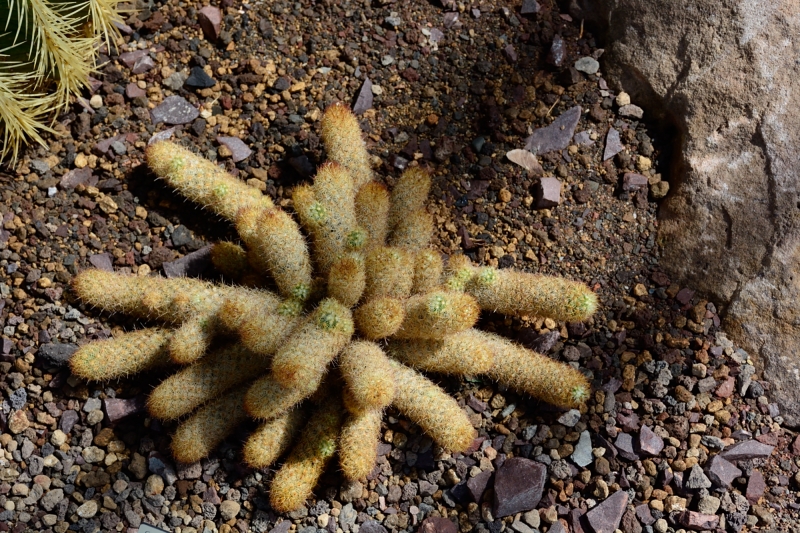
point(368, 375)
point(197, 437)
point(272, 439)
point(342, 137)
point(358, 443)
point(126, 354)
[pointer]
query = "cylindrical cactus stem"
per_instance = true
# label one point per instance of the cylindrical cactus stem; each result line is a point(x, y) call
point(432, 409)
point(203, 182)
point(316, 219)
point(246, 303)
point(358, 443)
point(276, 247)
point(272, 439)
point(379, 318)
point(459, 272)
point(519, 293)
point(347, 279)
point(264, 334)
point(121, 356)
point(414, 231)
point(298, 476)
point(368, 375)
point(230, 260)
point(527, 371)
point(341, 135)
point(390, 273)
point(334, 189)
point(201, 433)
point(191, 341)
point(464, 353)
point(372, 212)
point(307, 352)
point(195, 385)
point(409, 195)
point(428, 271)
point(267, 399)
point(438, 314)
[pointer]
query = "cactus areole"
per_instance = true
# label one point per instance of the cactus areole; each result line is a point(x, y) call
point(332, 315)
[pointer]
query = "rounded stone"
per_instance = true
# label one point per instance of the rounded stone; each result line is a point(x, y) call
point(93, 454)
point(154, 485)
point(58, 438)
point(229, 509)
point(87, 509)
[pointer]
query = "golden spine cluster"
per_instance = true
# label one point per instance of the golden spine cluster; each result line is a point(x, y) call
point(295, 359)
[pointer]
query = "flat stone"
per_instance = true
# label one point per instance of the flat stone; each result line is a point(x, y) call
point(210, 20)
point(129, 59)
point(649, 442)
point(199, 79)
point(570, 418)
point(633, 182)
point(51, 499)
point(143, 64)
point(722, 472)
point(437, 524)
point(538, 343)
point(75, 177)
point(190, 265)
point(626, 447)
point(582, 454)
point(557, 135)
point(547, 193)
point(175, 80)
point(697, 479)
point(613, 144)
point(174, 110)
point(118, 408)
point(587, 65)
point(526, 160)
point(698, 521)
point(605, 517)
point(371, 526)
point(755, 487)
point(163, 135)
point(132, 90)
point(102, 261)
point(530, 7)
point(747, 449)
point(55, 353)
point(557, 527)
point(476, 485)
point(239, 150)
point(631, 111)
point(518, 486)
point(726, 388)
point(708, 505)
point(644, 515)
point(365, 98)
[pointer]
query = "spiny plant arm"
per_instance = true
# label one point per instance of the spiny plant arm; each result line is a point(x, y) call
point(432, 409)
point(380, 317)
point(341, 135)
point(358, 443)
point(267, 399)
point(438, 314)
point(277, 247)
point(428, 271)
point(230, 260)
point(512, 292)
point(308, 351)
point(464, 353)
point(390, 273)
point(192, 339)
point(196, 384)
point(535, 374)
point(414, 231)
point(347, 279)
point(202, 181)
point(272, 439)
point(201, 433)
point(372, 212)
point(22, 115)
point(126, 354)
point(334, 190)
point(368, 375)
point(317, 444)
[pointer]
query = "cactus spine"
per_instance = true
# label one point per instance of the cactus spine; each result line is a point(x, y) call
point(369, 276)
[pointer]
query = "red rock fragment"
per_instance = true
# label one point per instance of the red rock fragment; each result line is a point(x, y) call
point(210, 20)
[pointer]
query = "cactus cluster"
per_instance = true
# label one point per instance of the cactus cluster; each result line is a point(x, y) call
point(317, 339)
point(47, 51)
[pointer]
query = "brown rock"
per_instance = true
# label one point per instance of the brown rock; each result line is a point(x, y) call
point(210, 20)
point(730, 223)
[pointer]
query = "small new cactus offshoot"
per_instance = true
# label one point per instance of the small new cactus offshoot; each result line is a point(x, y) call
point(47, 51)
point(317, 340)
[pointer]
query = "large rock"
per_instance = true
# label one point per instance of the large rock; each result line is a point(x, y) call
point(724, 73)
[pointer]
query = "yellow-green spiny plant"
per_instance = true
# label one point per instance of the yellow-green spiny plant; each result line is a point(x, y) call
point(47, 51)
point(331, 317)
